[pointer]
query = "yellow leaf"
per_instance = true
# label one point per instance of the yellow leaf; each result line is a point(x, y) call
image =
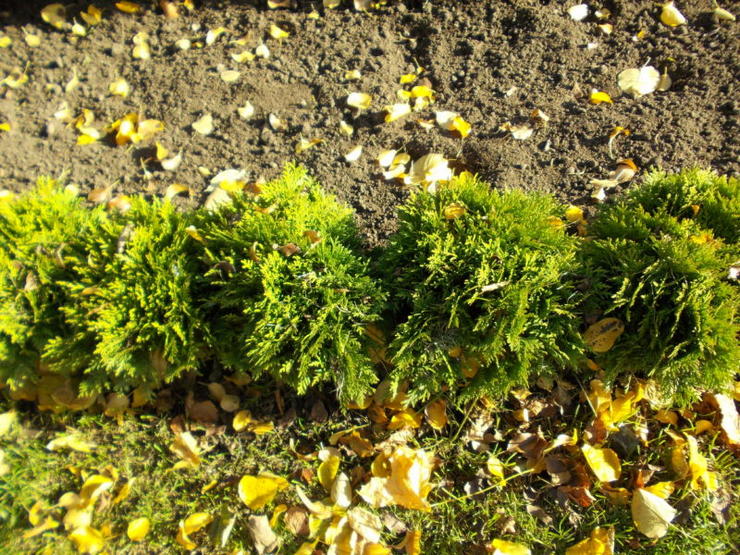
point(396, 111)
point(598, 97)
point(461, 126)
point(412, 542)
point(86, 140)
point(87, 540)
point(601, 542)
point(436, 413)
point(359, 100)
point(407, 483)
point(376, 549)
point(186, 447)
point(603, 462)
point(128, 7)
point(307, 548)
point(651, 514)
point(661, 489)
point(71, 441)
point(258, 491)
point(34, 513)
point(203, 125)
point(698, 467)
point(196, 522)
point(276, 512)
point(671, 16)
point(495, 467)
point(354, 154)
point(183, 539)
point(407, 418)
point(241, 57)
point(305, 144)
point(54, 14)
point(352, 75)
point(278, 33)
point(328, 470)
point(124, 492)
point(5, 41)
point(93, 487)
point(421, 91)
point(408, 78)
point(601, 336)
point(48, 524)
point(92, 16)
point(119, 87)
point(573, 214)
point(502, 547)
point(138, 529)
point(242, 419)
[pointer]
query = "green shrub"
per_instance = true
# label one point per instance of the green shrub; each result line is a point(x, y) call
point(480, 278)
point(288, 294)
point(38, 232)
point(129, 308)
point(658, 262)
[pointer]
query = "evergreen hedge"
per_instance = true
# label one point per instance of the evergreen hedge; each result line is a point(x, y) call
point(482, 284)
point(479, 290)
point(658, 260)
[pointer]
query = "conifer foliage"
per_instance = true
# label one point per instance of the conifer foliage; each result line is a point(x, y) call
point(480, 281)
point(288, 293)
point(658, 261)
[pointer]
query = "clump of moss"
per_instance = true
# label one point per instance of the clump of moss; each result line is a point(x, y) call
point(481, 283)
point(288, 294)
point(658, 261)
point(39, 231)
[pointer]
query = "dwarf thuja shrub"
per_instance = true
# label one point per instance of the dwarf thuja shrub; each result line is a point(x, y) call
point(288, 293)
point(39, 230)
point(658, 261)
point(480, 281)
point(129, 309)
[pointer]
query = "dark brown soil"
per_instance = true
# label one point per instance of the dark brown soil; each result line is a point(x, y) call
point(492, 61)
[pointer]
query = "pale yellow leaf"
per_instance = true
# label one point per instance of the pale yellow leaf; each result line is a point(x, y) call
point(651, 514)
point(503, 547)
point(601, 336)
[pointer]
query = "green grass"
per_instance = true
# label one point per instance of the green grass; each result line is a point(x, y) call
point(460, 521)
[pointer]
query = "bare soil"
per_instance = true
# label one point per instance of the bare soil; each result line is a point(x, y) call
point(491, 61)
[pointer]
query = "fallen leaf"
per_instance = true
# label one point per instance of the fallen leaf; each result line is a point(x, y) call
point(603, 462)
point(436, 413)
point(730, 423)
point(396, 111)
point(406, 485)
point(138, 529)
point(186, 447)
point(73, 442)
point(54, 15)
point(579, 12)
point(258, 491)
point(601, 336)
point(277, 33)
point(670, 15)
point(204, 124)
point(599, 97)
point(128, 7)
point(601, 542)
point(354, 154)
point(87, 540)
point(246, 111)
point(263, 537)
point(639, 81)
point(651, 514)
point(502, 547)
point(328, 470)
point(359, 100)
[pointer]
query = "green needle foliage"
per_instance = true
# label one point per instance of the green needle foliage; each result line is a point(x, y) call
point(288, 295)
point(658, 261)
point(129, 305)
point(480, 278)
point(38, 231)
